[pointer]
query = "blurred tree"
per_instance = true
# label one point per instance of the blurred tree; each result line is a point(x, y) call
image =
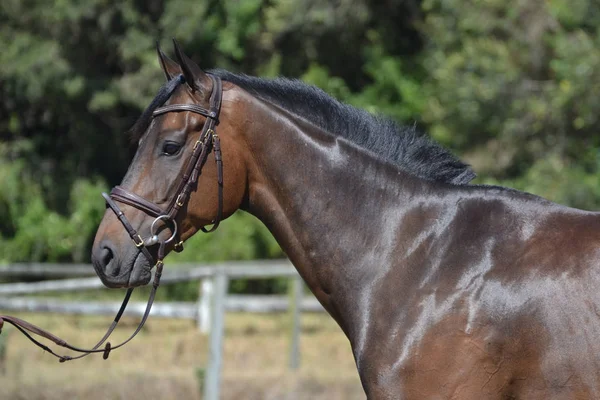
point(511, 85)
point(75, 75)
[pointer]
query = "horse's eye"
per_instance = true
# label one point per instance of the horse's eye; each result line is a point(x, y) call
point(171, 148)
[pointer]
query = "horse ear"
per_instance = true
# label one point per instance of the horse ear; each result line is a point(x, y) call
point(169, 67)
point(194, 76)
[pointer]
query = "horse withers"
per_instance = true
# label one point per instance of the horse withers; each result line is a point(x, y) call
point(445, 290)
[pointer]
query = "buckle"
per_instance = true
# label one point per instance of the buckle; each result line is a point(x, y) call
point(139, 243)
point(178, 247)
point(179, 200)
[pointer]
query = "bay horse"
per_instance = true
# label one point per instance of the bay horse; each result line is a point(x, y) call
point(445, 290)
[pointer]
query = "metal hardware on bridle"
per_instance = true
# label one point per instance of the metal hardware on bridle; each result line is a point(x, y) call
point(207, 142)
point(154, 239)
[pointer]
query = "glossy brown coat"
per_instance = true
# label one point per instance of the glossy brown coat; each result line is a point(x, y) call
point(444, 291)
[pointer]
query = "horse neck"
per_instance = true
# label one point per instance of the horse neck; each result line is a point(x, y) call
point(325, 200)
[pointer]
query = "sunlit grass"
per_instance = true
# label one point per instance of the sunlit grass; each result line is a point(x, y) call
point(163, 361)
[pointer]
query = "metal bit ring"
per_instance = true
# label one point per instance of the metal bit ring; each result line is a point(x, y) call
point(154, 232)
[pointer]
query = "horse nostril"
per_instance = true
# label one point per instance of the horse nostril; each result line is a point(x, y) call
point(105, 260)
point(106, 255)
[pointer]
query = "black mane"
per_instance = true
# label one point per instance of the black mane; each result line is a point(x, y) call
point(402, 146)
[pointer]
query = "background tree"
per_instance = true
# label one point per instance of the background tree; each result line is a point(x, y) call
point(511, 86)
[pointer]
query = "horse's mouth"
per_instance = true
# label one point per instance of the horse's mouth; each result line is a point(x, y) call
point(140, 271)
point(134, 271)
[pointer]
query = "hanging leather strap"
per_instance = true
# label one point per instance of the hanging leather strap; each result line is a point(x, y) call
point(207, 142)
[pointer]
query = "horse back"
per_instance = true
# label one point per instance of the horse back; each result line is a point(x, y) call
point(502, 301)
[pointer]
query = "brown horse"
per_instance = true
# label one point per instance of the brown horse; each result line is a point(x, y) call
point(445, 290)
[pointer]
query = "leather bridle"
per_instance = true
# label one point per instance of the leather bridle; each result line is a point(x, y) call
point(208, 141)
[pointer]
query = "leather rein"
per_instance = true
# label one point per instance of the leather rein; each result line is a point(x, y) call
point(207, 142)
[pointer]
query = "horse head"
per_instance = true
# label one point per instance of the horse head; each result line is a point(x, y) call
point(176, 183)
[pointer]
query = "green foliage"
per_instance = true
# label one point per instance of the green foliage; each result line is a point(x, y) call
point(512, 86)
point(36, 233)
point(201, 378)
point(554, 178)
point(240, 237)
point(514, 81)
point(4, 333)
point(75, 75)
point(251, 241)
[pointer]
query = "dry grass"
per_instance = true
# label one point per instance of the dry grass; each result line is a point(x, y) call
point(162, 362)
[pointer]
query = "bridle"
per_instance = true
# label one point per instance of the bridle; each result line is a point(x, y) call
point(208, 141)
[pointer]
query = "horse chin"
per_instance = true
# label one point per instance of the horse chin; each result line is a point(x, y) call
point(140, 272)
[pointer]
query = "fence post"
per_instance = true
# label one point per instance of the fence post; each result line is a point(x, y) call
point(204, 299)
point(213, 372)
point(295, 300)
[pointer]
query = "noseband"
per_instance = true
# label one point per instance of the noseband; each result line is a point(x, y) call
point(208, 141)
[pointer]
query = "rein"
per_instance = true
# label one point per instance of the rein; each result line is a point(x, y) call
point(207, 142)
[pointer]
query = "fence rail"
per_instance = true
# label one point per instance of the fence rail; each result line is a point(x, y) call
point(260, 304)
point(209, 311)
point(45, 270)
point(177, 273)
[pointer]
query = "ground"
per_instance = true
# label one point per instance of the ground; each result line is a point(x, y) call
point(164, 361)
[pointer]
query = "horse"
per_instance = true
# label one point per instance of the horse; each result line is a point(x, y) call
point(445, 289)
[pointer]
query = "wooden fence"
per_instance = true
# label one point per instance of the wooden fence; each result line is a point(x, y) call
point(208, 311)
